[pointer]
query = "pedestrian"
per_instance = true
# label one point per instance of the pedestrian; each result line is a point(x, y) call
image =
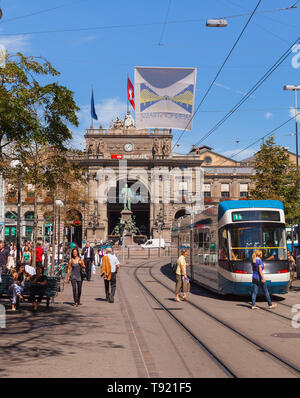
point(258, 280)
point(182, 281)
point(39, 255)
point(75, 276)
point(4, 259)
point(26, 257)
point(16, 288)
point(292, 266)
point(12, 262)
point(109, 268)
point(89, 258)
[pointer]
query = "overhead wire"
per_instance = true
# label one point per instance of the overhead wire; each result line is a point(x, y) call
point(42, 11)
point(264, 136)
point(165, 23)
point(146, 24)
point(219, 71)
point(281, 59)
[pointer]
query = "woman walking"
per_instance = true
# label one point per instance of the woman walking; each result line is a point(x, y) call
point(181, 276)
point(74, 275)
point(258, 279)
point(26, 258)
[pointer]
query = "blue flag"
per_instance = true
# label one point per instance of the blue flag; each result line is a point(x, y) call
point(93, 111)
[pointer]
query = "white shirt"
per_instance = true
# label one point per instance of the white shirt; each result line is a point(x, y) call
point(30, 270)
point(113, 260)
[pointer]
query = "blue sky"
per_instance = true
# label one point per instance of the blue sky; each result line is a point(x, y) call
point(102, 57)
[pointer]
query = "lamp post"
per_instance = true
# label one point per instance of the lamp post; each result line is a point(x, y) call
point(159, 222)
point(295, 89)
point(59, 204)
point(16, 164)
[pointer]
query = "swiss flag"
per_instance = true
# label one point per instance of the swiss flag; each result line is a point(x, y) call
point(130, 90)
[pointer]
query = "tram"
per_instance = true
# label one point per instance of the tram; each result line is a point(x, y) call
point(222, 239)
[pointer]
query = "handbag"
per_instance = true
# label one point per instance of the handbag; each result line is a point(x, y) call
point(82, 272)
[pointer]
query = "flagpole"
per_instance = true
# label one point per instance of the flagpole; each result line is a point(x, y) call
point(92, 123)
point(127, 93)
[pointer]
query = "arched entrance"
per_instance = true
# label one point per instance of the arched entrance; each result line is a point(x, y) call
point(181, 213)
point(74, 227)
point(140, 206)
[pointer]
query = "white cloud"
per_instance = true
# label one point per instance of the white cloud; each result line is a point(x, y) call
point(268, 115)
point(222, 86)
point(293, 113)
point(107, 110)
point(18, 43)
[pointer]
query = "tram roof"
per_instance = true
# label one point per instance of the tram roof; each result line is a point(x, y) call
point(246, 204)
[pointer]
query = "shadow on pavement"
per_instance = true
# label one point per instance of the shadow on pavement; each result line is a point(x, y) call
point(55, 331)
point(203, 292)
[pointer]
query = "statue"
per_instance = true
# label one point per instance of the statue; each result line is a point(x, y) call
point(90, 149)
point(165, 149)
point(118, 124)
point(126, 194)
point(129, 121)
point(155, 148)
point(100, 148)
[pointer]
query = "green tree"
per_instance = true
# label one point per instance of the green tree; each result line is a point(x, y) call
point(277, 178)
point(34, 119)
point(31, 107)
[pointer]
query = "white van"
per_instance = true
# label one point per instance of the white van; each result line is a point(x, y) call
point(153, 244)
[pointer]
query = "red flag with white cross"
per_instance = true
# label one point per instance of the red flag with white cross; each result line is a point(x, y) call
point(130, 90)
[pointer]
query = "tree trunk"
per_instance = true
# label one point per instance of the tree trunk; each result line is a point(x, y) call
point(35, 232)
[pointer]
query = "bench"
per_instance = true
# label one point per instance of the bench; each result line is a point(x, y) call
point(52, 288)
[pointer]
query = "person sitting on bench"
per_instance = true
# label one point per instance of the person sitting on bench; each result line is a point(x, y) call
point(16, 288)
point(38, 284)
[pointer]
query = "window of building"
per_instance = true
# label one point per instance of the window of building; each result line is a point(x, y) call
point(207, 160)
point(243, 190)
point(207, 190)
point(29, 216)
point(225, 190)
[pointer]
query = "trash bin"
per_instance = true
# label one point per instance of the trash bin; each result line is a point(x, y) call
point(298, 266)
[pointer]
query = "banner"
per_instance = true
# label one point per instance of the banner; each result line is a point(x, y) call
point(164, 97)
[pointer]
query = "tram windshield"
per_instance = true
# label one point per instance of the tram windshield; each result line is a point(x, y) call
point(244, 238)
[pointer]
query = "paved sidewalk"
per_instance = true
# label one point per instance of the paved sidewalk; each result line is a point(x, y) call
point(89, 341)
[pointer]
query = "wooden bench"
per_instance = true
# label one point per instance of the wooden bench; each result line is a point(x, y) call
point(52, 288)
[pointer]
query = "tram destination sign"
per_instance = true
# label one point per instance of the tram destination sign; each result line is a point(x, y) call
point(256, 215)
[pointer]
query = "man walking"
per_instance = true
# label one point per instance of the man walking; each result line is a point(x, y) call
point(4, 258)
point(89, 258)
point(109, 268)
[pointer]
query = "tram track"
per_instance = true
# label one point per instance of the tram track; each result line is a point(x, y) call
point(283, 361)
point(215, 359)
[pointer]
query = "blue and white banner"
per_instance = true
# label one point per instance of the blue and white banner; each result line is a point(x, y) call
point(164, 97)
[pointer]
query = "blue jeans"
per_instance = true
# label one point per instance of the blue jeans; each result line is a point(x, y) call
point(14, 290)
point(254, 290)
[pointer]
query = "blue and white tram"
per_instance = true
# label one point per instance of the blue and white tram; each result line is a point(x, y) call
point(222, 240)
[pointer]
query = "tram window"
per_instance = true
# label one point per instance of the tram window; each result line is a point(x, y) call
point(223, 244)
point(269, 238)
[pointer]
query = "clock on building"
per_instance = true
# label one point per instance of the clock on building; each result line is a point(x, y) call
point(128, 147)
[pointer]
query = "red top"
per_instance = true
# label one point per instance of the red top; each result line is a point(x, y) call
point(39, 253)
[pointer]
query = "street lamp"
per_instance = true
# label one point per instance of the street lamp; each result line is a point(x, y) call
point(159, 222)
point(295, 88)
point(216, 23)
point(16, 164)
